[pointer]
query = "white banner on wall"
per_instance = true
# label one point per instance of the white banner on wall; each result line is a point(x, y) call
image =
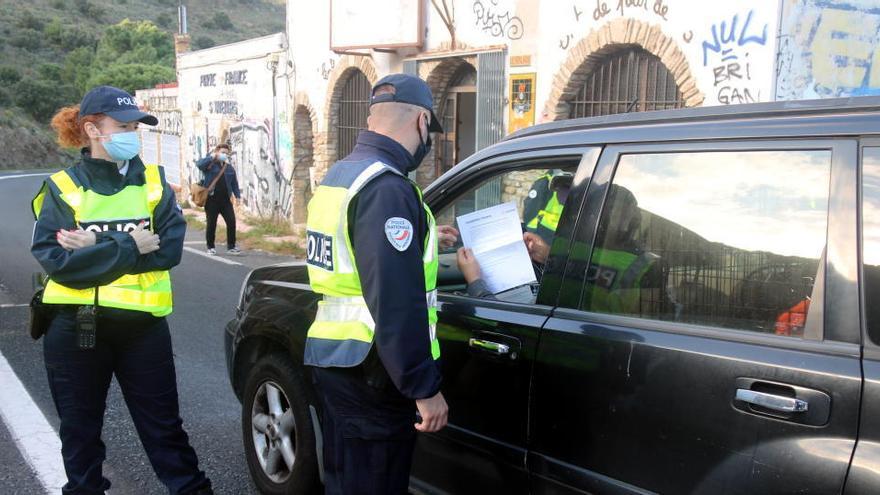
point(170, 158)
point(149, 147)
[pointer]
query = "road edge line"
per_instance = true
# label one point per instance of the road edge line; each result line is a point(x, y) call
point(37, 442)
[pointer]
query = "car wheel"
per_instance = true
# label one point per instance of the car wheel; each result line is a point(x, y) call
point(277, 430)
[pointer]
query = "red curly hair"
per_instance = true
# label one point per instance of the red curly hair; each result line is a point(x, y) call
point(69, 126)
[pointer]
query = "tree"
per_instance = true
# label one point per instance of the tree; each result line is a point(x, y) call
point(9, 75)
point(50, 72)
point(54, 32)
point(78, 68)
point(40, 98)
point(130, 42)
point(89, 9)
point(30, 21)
point(27, 39)
point(202, 42)
point(164, 20)
point(220, 20)
point(131, 77)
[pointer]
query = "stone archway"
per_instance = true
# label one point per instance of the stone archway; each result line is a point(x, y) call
point(440, 74)
point(304, 123)
point(343, 70)
point(587, 53)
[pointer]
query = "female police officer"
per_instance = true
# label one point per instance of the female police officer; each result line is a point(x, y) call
point(108, 230)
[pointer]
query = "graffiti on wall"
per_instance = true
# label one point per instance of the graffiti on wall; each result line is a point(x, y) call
point(726, 53)
point(828, 49)
point(265, 187)
point(497, 21)
point(658, 9)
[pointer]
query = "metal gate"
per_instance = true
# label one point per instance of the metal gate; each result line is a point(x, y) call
point(354, 106)
point(631, 80)
point(490, 116)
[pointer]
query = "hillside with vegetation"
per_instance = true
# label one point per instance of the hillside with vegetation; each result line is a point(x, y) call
point(52, 51)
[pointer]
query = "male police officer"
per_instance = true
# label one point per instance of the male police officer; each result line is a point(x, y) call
point(372, 253)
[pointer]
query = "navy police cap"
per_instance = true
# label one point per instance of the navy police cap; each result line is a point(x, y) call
point(116, 103)
point(407, 89)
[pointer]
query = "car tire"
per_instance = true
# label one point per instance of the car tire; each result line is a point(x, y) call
point(277, 428)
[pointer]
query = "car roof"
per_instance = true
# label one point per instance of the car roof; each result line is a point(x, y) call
point(718, 113)
point(797, 119)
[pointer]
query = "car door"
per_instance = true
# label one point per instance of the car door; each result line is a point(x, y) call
point(864, 474)
point(705, 339)
point(487, 344)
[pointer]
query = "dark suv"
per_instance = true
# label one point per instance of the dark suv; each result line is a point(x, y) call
point(706, 321)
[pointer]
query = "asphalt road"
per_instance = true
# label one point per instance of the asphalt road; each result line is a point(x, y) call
point(205, 293)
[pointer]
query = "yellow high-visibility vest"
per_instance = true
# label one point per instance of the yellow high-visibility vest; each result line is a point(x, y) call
point(342, 333)
point(149, 292)
point(548, 217)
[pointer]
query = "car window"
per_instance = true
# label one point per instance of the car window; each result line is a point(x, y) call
point(729, 239)
point(871, 238)
point(539, 191)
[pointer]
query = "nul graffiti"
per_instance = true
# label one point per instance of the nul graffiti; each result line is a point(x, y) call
point(729, 48)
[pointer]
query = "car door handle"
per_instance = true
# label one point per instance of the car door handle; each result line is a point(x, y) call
point(771, 401)
point(488, 345)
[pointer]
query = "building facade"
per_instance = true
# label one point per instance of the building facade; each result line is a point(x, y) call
point(293, 103)
point(238, 94)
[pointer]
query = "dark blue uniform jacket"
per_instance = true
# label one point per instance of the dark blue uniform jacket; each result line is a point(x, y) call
point(393, 281)
point(210, 168)
point(115, 253)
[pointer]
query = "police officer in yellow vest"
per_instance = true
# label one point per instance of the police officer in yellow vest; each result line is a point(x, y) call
point(372, 254)
point(542, 208)
point(108, 230)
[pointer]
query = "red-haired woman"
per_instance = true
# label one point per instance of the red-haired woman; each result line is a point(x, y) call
point(108, 231)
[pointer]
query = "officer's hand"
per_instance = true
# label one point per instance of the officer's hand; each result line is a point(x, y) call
point(146, 241)
point(76, 239)
point(434, 413)
point(537, 248)
point(468, 265)
point(447, 235)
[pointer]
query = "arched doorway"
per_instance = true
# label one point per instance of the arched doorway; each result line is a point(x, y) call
point(626, 79)
point(352, 111)
point(303, 162)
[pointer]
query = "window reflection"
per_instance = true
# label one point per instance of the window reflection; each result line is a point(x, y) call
point(871, 238)
point(729, 239)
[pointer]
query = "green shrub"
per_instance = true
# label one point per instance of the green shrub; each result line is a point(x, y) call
point(39, 98)
point(9, 75)
point(202, 42)
point(29, 21)
point(27, 39)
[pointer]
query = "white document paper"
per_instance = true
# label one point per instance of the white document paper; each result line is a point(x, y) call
point(495, 236)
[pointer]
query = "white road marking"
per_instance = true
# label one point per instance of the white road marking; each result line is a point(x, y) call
point(3, 306)
point(211, 257)
point(35, 438)
point(2, 177)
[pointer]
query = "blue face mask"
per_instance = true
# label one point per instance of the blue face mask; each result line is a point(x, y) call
point(222, 157)
point(123, 145)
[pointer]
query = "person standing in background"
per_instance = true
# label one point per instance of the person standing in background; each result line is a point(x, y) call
point(220, 200)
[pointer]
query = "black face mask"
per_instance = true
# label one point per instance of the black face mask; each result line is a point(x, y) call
point(423, 149)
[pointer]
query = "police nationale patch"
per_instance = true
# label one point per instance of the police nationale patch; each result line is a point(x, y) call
point(319, 250)
point(399, 232)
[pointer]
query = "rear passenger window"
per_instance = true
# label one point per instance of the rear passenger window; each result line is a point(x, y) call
point(729, 239)
point(871, 238)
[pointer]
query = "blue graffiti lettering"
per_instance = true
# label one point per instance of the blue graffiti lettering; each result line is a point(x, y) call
point(725, 34)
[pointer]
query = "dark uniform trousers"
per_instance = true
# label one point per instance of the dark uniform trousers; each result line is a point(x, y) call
point(139, 354)
point(369, 434)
